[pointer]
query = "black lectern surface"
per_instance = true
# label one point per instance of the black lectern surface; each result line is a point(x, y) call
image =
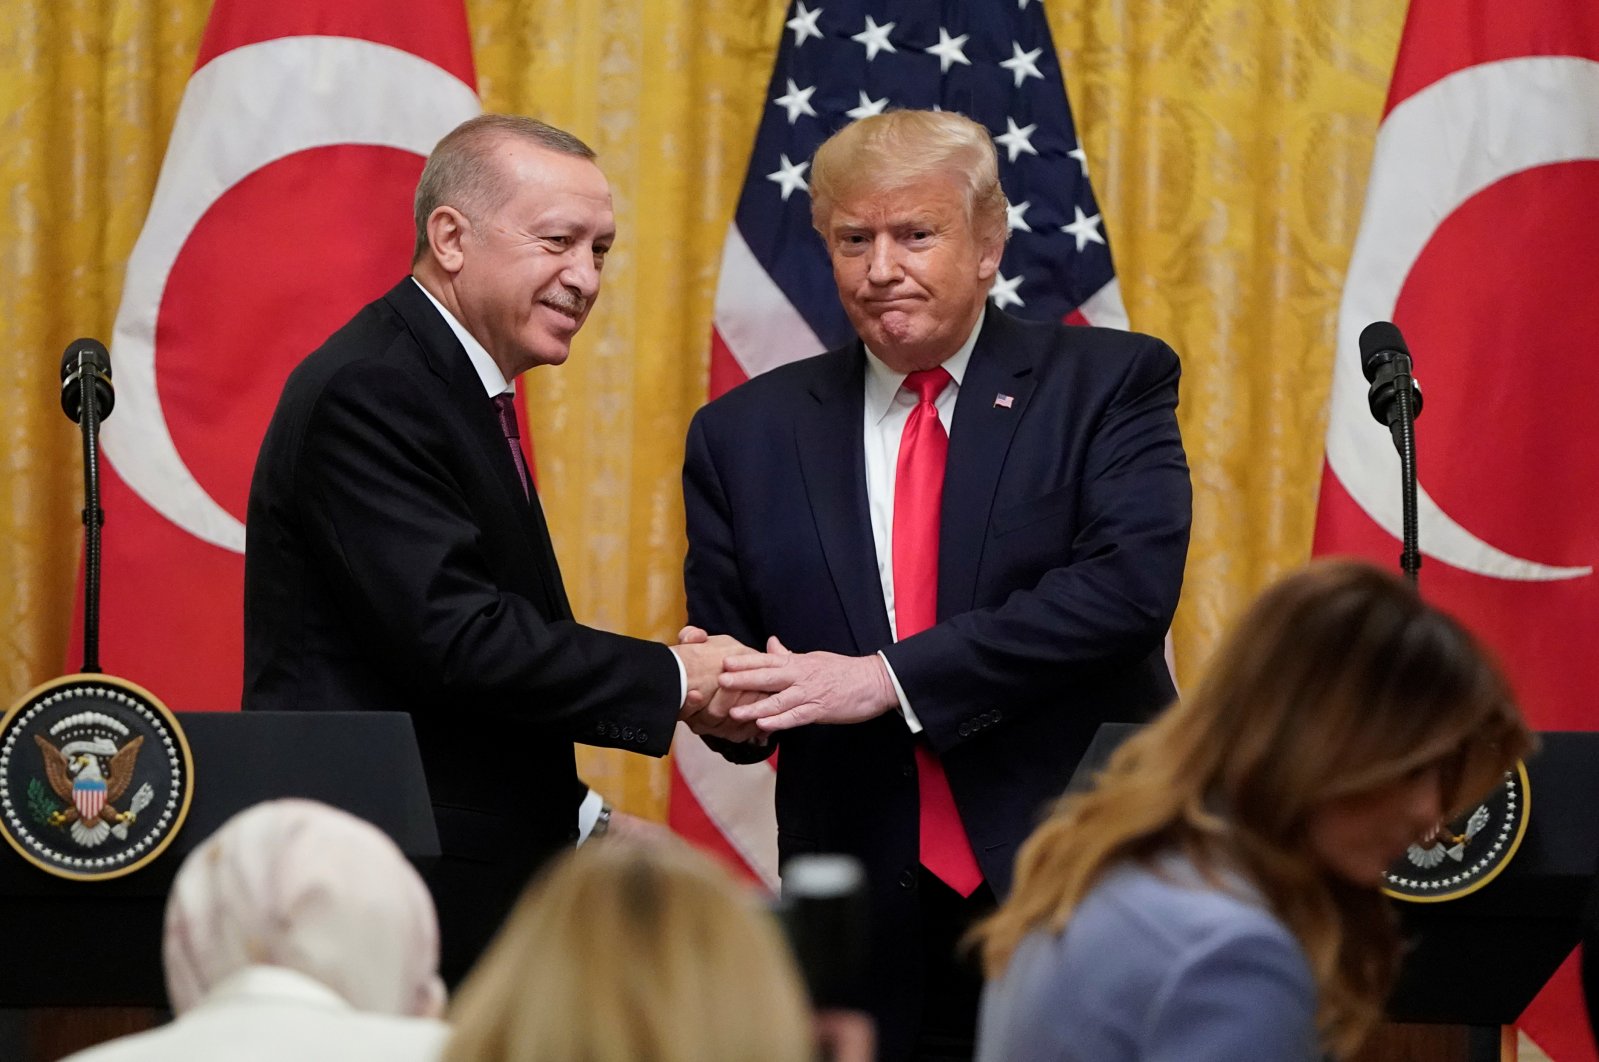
point(1479, 960)
point(81, 944)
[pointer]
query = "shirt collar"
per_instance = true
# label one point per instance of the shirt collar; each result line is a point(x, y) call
point(494, 381)
point(883, 383)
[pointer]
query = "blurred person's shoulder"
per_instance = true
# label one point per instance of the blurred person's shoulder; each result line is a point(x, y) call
point(268, 1014)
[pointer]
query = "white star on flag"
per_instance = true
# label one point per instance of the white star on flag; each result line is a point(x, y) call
point(1023, 64)
point(949, 50)
point(797, 101)
point(1084, 228)
point(1015, 140)
point(1004, 291)
point(791, 176)
point(1081, 156)
point(1016, 216)
point(867, 108)
point(804, 24)
point(875, 38)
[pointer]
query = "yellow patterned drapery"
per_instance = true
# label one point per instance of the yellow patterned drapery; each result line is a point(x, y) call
point(1228, 139)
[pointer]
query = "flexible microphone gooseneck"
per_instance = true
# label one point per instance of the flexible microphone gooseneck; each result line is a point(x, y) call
point(87, 397)
point(1395, 400)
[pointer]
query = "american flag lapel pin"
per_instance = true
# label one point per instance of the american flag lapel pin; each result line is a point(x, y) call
point(1003, 401)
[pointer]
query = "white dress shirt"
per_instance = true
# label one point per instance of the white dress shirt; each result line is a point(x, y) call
point(887, 407)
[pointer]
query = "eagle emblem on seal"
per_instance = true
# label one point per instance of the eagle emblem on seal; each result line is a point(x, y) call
point(1444, 842)
point(91, 772)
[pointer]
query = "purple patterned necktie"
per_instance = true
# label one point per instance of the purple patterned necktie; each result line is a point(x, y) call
point(505, 406)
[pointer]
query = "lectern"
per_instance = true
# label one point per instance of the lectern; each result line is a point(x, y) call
point(87, 944)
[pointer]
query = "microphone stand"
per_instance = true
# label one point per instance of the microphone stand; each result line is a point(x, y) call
point(93, 518)
point(1404, 433)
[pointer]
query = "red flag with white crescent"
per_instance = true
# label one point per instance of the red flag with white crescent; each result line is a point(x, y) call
point(1481, 241)
point(283, 206)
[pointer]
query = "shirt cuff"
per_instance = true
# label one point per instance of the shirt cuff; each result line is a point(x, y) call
point(911, 721)
point(588, 813)
point(682, 679)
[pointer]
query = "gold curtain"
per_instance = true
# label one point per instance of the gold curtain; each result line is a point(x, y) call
point(1228, 139)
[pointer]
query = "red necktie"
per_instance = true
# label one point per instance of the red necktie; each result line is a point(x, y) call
point(505, 406)
point(918, 494)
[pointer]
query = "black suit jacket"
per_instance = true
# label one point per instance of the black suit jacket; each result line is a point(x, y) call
point(393, 562)
point(1063, 537)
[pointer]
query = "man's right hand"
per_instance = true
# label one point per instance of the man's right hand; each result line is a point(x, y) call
point(706, 707)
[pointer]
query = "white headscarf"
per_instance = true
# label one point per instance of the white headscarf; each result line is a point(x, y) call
point(301, 885)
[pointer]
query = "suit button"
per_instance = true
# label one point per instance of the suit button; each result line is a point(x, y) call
point(627, 733)
point(907, 770)
point(643, 738)
point(964, 730)
point(907, 880)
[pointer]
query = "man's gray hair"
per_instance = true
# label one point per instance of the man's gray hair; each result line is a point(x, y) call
point(462, 173)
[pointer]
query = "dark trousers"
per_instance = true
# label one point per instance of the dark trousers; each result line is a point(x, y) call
point(473, 899)
point(953, 979)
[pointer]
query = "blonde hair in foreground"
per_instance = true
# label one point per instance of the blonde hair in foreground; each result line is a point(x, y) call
point(626, 951)
point(900, 148)
point(1337, 681)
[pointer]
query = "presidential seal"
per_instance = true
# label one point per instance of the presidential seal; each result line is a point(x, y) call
point(95, 777)
point(1462, 856)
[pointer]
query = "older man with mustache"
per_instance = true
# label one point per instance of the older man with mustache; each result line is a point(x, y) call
point(398, 558)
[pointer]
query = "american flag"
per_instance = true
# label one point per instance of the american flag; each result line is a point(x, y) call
point(992, 60)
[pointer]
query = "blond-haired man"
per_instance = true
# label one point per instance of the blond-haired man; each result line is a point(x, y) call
point(964, 535)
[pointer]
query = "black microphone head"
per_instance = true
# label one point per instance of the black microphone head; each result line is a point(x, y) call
point(1376, 340)
point(86, 352)
point(86, 357)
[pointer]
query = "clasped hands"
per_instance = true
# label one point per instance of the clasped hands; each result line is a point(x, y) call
point(741, 694)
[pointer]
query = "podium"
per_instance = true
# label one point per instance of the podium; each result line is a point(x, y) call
point(1479, 960)
point(94, 944)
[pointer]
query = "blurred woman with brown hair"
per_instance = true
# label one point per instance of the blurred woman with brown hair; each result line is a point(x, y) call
point(627, 951)
point(1216, 895)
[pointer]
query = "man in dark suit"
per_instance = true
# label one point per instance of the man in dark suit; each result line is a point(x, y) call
point(965, 537)
point(398, 558)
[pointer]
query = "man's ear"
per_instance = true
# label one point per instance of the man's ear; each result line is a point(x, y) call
point(988, 264)
point(446, 232)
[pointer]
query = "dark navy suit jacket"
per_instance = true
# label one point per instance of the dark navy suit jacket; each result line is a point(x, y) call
point(393, 562)
point(1062, 543)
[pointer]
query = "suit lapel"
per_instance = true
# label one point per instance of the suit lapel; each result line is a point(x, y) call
point(1001, 367)
point(829, 439)
point(472, 406)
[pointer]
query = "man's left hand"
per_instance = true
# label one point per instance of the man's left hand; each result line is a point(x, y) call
point(809, 687)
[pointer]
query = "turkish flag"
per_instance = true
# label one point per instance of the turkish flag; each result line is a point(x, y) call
point(283, 206)
point(1481, 241)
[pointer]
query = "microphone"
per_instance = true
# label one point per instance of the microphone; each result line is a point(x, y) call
point(86, 358)
point(1384, 357)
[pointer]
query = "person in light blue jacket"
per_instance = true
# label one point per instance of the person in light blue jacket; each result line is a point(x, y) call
point(1216, 895)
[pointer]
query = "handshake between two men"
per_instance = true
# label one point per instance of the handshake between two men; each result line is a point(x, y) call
point(741, 694)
